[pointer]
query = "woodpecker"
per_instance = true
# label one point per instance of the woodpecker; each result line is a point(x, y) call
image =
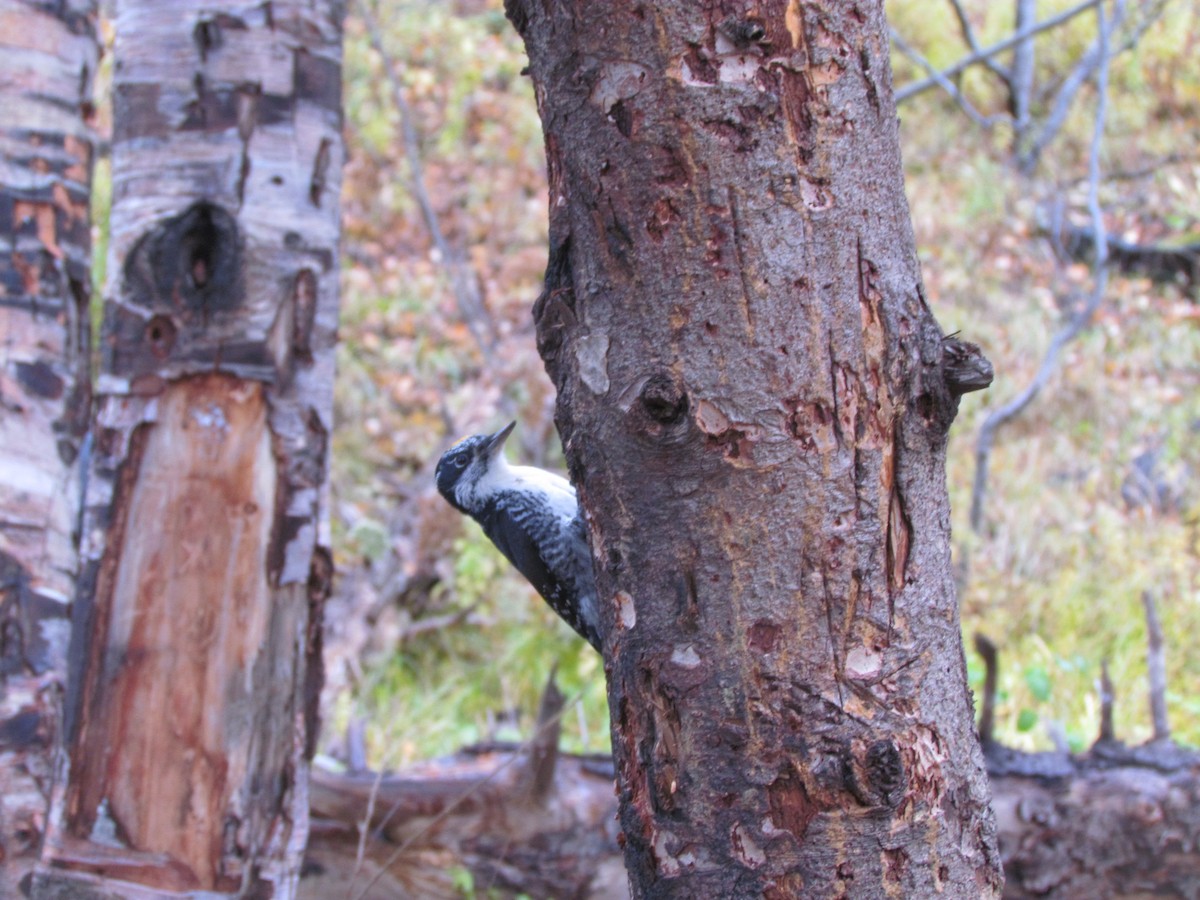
point(532, 517)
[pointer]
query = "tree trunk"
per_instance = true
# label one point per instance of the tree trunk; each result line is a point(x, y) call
point(753, 404)
point(46, 65)
point(191, 711)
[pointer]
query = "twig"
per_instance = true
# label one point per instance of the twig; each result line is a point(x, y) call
point(1096, 54)
point(944, 83)
point(917, 87)
point(1083, 316)
point(968, 33)
point(438, 623)
point(1156, 669)
point(1066, 91)
point(1149, 15)
point(462, 279)
point(364, 828)
point(1107, 732)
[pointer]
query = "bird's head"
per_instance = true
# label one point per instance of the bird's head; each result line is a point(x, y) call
point(464, 466)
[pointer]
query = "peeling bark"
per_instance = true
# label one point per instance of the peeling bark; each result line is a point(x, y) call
point(47, 57)
point(754, 401)
point(191, 708)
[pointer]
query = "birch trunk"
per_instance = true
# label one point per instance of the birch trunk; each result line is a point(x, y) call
point(47, 58)
point(754, 399)
point(195, 651)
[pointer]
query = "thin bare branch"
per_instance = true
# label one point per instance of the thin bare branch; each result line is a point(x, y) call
point(1021, 83)
point(462, 278)
point(917, 87)
point(944, 83)
point(440, 623)
point(968, 33)
point(1083, 316)
point(1065, 98)
point(1156, 666)
point(1083, 71)
point(364, 828)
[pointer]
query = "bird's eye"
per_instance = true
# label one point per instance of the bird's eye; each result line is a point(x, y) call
point(460, 461)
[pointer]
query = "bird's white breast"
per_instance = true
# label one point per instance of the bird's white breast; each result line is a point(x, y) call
point(500, 477)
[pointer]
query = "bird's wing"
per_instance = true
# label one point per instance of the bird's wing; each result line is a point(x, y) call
point(502, 524)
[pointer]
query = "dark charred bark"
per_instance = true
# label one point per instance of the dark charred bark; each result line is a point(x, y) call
point(192, 702)
point(754, 403)
point(46, 64)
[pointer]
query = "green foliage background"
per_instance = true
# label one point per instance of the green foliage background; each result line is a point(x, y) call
point(1055, 577)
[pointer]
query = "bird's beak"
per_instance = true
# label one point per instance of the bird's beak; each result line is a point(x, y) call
point(496, 441)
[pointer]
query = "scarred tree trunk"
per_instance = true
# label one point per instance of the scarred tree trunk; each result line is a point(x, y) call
point(47, 57)
point(195, 655)
point(754, 399)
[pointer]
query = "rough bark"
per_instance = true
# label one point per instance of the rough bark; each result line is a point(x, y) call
point(195, 653)
point(753, 404)
point(47, 57)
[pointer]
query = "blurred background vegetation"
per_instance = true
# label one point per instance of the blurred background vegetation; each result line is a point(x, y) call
point(434, 641)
